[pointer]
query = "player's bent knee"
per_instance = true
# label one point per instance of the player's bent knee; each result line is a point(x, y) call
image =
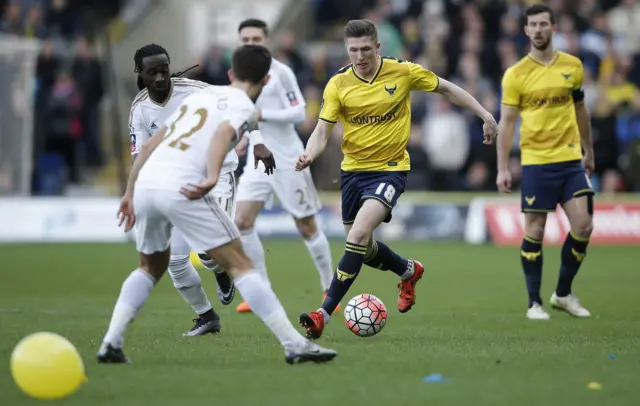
point(307, 227)
point(241, 265)
point(535, 224)
point(155, 264)
point(244, 222)
point(583, 227)
point(359, 235)
point(231, 257)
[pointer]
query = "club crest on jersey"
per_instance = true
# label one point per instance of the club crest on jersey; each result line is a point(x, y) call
point(391, 90)
point(133, 143)
point(293, 99)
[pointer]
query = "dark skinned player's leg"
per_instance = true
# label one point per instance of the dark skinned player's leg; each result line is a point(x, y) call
point(133, 294)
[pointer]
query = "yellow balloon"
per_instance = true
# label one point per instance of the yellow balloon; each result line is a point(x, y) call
point(47, 366)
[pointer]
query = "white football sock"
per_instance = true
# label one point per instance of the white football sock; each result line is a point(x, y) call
point(187, 281)
point(135, 291)
point(409, 272)
point(318, 247)
point(264, 304)
point(255, 251)
point(326, 315)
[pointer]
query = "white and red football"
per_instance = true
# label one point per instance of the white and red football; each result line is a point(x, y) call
point(365, 315)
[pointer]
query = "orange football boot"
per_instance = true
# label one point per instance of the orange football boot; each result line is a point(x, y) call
point(407, 295)
point(243, 307)
point(324, 296)
point(314, 323)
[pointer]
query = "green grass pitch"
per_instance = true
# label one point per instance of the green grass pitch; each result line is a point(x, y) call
point(468, 325)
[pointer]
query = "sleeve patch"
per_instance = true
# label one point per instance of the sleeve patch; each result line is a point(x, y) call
point(293, 99)
point(133, 143)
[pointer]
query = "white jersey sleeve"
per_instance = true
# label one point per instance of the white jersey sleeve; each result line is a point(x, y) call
point(289, 89)
point(290, 95)
point(138, 129)
point(244, 118)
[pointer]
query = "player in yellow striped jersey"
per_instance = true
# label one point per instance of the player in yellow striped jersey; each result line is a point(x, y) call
point(372, 98)
point(545, 88)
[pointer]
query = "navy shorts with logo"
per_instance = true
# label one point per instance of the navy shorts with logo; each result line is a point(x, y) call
point(545, 186)
point(384, 186)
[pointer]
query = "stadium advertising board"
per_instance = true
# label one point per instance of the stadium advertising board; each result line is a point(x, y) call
point(429, 222)
point(59, 220)
point(27, 220)
point(613, 224)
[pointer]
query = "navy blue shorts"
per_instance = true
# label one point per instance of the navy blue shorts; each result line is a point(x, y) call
point(384, 186)
point(546, 185)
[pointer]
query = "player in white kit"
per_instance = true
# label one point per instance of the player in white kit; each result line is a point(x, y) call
point(281, 105)
point(169, 186)
point(160, 95)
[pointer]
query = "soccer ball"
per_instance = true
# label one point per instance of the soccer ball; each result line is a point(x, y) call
point(47, 366)
point(365, 315)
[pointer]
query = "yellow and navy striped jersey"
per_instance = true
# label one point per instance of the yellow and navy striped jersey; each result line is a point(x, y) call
point(544, 95)
point(376, 113)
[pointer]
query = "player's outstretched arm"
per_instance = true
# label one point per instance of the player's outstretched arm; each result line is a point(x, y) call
point(462, 98)
point(584, 126)
point(293, 114)
point(506, 129)
point(315, 145)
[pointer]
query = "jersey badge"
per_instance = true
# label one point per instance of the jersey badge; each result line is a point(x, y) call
point(293, 99)
point(133, 143)
point(391, 90)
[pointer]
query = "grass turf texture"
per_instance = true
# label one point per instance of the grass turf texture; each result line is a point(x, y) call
point(468, 325)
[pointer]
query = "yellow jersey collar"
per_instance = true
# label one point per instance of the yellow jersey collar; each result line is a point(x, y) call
point(556, 54)
point(380, 61)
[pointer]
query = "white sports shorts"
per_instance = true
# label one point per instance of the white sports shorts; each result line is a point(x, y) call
point(295, 190)
point(166, 218)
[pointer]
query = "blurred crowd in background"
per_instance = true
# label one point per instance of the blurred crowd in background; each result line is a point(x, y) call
point(471, 44)
point(468, 42)
point(69, 83)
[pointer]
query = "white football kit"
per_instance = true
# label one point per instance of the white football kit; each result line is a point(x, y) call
point(147, 117)
point(282, 104)
point(180, 160)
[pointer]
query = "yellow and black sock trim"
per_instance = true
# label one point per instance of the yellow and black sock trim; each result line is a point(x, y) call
point(532, 240)
point(374, 251)
point(579, 239)
point(355, 248)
